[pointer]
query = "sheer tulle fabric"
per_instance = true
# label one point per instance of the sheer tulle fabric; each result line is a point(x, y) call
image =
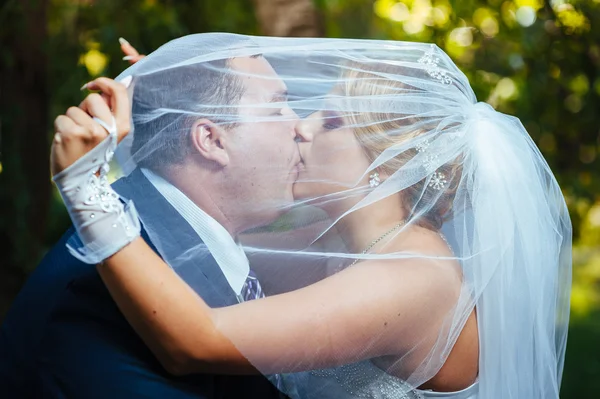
point(461, 169)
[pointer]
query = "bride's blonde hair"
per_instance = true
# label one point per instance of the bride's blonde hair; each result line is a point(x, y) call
point(376, 132)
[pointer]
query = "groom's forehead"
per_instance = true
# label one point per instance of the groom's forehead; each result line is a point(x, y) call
point(257, 76)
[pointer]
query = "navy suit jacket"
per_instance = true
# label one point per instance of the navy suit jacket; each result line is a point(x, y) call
point(64, 336)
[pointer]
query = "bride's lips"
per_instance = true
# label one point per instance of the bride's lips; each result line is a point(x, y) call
point(298, 166)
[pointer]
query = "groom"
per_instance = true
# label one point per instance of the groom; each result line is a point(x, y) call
point(64, 336)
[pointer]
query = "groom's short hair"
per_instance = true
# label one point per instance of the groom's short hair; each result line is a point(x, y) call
point(165, 105)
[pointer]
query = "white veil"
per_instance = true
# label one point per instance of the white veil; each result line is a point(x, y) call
point(459, 168)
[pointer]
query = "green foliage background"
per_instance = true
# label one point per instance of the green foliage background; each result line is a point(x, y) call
point(538, 60)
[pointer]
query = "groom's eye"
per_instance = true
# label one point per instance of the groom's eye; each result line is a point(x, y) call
point(279, 99)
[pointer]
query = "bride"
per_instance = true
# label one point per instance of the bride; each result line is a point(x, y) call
point(445, 236)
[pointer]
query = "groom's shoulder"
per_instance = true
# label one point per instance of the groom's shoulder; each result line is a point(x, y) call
point(135, 184)
point(24, 325)
point(45, 288)
point(36, 299)
point(60, 287)
point(52, 275)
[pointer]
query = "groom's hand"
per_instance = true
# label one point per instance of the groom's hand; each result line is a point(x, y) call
point(76, 131)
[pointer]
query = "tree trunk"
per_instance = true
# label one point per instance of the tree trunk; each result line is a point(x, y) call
point(24, 145)
point(297, 18)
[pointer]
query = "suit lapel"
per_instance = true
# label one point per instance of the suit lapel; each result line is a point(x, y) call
point(176, 241)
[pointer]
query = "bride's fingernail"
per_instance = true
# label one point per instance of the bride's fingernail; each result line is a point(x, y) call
point(84, 86)
point(128, 57)
point(123, 41)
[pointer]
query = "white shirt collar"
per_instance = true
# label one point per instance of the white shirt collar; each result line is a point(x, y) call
point(229, 256)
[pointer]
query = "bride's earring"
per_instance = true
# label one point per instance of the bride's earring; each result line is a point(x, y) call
point(374, 180)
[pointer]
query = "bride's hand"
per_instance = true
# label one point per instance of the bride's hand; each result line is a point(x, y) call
point(131, 54)
point(77, 132)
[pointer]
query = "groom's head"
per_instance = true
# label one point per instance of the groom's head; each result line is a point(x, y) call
point(222, 127)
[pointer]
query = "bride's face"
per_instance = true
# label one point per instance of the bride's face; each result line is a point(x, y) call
point(332, 159)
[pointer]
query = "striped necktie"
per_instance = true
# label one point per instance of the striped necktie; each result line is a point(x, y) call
point(251, 289)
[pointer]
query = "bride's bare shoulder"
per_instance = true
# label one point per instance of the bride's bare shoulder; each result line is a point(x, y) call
point(423, 252)
point(424, 241)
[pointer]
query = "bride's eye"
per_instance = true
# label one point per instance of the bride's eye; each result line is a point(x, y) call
point(332, 120)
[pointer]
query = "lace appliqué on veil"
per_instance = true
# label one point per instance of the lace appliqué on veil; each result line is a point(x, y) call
point(364, 380)
point(431, 61)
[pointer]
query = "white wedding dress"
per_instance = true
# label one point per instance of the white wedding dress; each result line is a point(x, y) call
point(361, 380)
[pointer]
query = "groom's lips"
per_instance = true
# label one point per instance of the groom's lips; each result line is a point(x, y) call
point(296, 170)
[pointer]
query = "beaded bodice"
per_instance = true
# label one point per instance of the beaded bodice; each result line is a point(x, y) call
point(361, 380)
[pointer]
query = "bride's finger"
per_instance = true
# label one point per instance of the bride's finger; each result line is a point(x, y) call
point(119, 102)
point(131, 54)
point(133, 58)
point(96, 106)
point(127, 48)
point(72, 134)
point(65, 126)
point(80, 117)
point(71, 141)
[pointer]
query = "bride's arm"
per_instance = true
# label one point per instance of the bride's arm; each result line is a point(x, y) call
point(356, 314)
point(169, 316)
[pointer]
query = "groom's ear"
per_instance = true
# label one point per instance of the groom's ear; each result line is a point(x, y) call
point(207, 139)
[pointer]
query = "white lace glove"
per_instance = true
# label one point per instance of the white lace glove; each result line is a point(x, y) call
point(104, 224)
